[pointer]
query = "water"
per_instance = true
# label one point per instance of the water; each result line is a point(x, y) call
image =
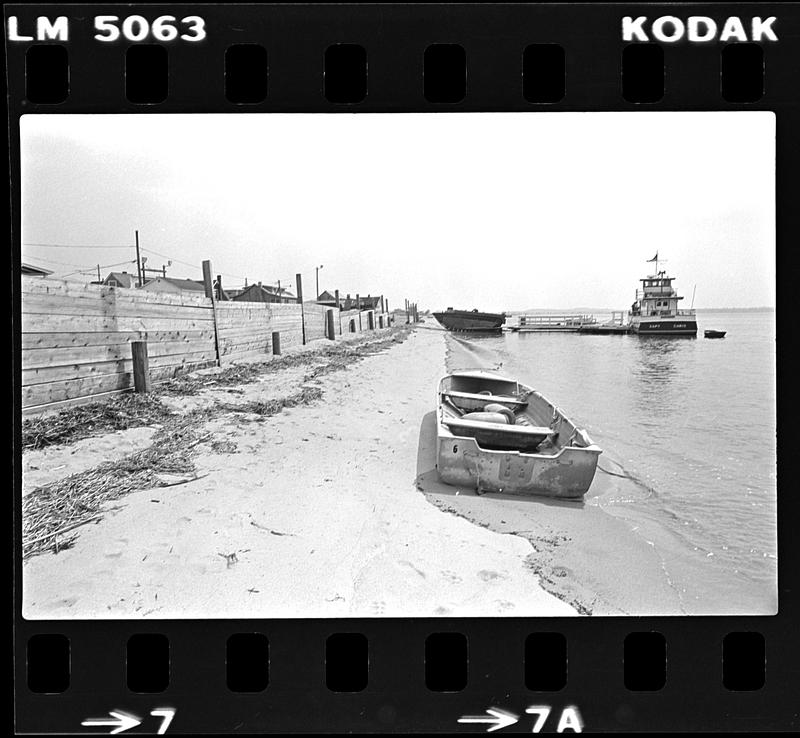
point(693, 421)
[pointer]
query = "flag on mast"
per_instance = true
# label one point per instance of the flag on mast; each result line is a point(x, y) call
point(655, 258)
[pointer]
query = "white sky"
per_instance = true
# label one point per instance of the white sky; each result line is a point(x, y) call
point(499, 211)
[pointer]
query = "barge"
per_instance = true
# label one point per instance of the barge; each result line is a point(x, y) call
point(470, 321)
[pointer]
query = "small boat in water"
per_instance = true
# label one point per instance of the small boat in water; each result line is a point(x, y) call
point(472, 321)
point(714, 334)
point(497, 435)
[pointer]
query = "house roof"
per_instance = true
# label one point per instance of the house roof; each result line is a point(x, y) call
point(31, 269)
point(326, 297)
point(266, 291)
point(123, 278)
point(183, 284)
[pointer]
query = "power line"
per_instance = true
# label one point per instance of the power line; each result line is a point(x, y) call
point(185, 263)
point(61, 263)
point(77, 246)
point(91, 270)
point(129, 246)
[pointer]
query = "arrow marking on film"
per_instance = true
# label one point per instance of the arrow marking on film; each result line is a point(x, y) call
point(498, 720)
point(121, 722)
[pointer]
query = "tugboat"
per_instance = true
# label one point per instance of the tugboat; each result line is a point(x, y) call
point(655, 311)
point(472, 321)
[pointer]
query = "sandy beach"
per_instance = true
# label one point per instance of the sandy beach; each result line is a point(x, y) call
point(315, 511)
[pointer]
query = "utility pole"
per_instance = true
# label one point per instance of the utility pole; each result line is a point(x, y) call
point(299, 279)
point(99, 278)
point(317, 270)
point(138, 261)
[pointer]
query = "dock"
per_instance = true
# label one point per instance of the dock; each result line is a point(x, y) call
point(565, 322)
point(571, 323)
point(617, 325)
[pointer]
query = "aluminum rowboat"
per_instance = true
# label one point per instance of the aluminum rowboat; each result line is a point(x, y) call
point(540, 453)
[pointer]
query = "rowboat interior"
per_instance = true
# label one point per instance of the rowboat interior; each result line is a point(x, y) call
point(503, 415)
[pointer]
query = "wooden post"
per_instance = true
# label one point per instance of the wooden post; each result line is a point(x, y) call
point(302, 310)
point(339, 311)
point(219, 286)
point(208, 282)
point(358, 307)
point(331, 333)
point(209, 287)
point(141, 367)
point(276, 343)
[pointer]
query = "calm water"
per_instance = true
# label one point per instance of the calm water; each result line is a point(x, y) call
point(691, 420)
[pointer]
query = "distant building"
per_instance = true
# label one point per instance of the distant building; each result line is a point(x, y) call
point(260, 293)
point(363, 303)
point(171, 284)
point(326, 298)
point(34, 271)
point(119, 279)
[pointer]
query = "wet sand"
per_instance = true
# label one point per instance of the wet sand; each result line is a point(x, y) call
point(315, 512)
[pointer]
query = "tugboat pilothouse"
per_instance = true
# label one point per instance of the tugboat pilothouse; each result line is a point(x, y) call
point(655, 310)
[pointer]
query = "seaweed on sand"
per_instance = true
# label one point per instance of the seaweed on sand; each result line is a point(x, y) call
point(52, 512)
point(72, 424)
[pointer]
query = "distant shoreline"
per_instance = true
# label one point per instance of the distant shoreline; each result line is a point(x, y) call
point(557, 311)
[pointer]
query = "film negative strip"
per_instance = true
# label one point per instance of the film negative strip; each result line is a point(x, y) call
point(433, 495)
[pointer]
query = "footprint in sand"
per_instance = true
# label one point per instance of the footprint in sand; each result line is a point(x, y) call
point(452, 577)
point(504, 605)
point(441, 611)
point(486, 575)
point(378, 607)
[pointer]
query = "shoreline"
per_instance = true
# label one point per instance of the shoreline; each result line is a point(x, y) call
point(258, 531)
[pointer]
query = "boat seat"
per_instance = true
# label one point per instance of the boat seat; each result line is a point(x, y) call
point(517, 430)
point(485, 398)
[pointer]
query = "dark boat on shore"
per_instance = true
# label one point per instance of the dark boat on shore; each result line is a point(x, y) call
point(471, 321)
point(714, 334)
